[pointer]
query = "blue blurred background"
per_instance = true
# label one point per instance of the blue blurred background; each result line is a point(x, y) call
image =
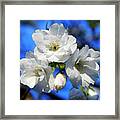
point(85, 31)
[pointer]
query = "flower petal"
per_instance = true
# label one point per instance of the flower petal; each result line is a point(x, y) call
point(93, 55)
point(39, 55)
point(83, 53)
point(71, 39)
point(73, 73)
point(64, 38)
point(86, 80)
point(74, 76)
point(73, 48)
point(62, 56)
point(54, 58)
point(93, 94)
point(71, 61)
point(30, 55)
point(29, 80)
point(51, 82)
point(57, 29)
point(70, 45)
point(26, 63)
point(42, 86)
point(92, 65)
point(38, 36)
point(64, 93)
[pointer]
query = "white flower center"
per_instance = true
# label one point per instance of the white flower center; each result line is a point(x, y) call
point(80, 66)
point(54, 45)
point(38, 72)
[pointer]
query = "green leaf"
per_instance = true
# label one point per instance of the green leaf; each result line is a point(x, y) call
point(52, 64)
point(61, 66)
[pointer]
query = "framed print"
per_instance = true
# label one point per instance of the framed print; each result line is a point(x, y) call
point(60, 60)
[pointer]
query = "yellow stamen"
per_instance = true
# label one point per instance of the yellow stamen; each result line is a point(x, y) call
point(54, 45)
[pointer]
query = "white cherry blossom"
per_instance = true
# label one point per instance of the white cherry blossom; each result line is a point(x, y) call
point(83, 66)
point(54, 44)
point(33, 71)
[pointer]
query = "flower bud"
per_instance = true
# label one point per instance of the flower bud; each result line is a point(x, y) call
point(58, 82)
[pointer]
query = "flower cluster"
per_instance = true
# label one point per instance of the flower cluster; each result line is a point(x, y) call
point(57, 50)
